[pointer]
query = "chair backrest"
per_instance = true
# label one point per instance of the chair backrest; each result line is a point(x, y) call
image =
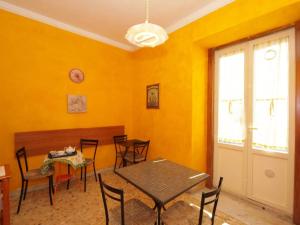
point(141, 148)
point(211, 197)
point(114, 194)
point(89, 143)
point(119, 139)
point(21, 153)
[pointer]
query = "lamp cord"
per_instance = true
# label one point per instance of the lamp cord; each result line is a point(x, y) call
point(147, 11)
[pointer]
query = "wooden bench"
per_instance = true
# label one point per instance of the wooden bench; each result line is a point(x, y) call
point(41, 142)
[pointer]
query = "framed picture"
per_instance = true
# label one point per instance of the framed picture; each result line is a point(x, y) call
point(153, 96)
point(76, 104)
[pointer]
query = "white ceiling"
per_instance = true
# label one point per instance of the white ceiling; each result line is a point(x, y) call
point(108, 20)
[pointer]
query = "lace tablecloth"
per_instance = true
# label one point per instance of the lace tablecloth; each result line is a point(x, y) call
point(76, 161)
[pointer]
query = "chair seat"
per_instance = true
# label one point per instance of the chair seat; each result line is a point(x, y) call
point(89, 161)
point(138, 157)
point(182, 213)
point(37, 174)
point(136, 213)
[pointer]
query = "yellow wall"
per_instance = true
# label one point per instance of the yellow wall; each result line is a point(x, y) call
point(35, 60)
point(34, 63)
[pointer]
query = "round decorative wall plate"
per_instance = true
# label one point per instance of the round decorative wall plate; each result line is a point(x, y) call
point(76, 75)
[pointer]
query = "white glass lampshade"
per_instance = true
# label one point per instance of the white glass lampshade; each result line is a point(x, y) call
point(146, 35)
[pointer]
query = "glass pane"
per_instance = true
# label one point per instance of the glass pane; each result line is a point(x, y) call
point(231, 99)
point(270, 96)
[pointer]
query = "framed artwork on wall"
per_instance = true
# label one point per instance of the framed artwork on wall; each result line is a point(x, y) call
point(76, 104)
point(152, 96)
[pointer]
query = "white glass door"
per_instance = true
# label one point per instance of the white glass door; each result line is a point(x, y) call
point(230, 132)
point(254, 119)
point(271, 128)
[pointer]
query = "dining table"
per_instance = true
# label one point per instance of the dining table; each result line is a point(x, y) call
point(162, 180)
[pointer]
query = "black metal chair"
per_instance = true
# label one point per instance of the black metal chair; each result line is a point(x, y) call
point(184, 214)
point(120, 150)
point(132, 211)
point(139, 153)
point(89, 143)
point(33, 174)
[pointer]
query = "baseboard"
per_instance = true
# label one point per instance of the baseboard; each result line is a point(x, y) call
point(16, 193)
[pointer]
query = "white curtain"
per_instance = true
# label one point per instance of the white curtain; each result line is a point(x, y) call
point(270, 95)
point(231, 113)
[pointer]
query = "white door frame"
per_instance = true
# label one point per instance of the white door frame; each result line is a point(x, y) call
point(291, 148)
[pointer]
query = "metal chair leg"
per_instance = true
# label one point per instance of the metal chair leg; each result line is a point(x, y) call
point(200, 216)
point(124, 163)
point(50, 189)
point(121, 163)
point(95, 171)
point(81, 173)
point(21, 195)
point(25, 192)
point(214, 212)
point(85, 179)
point(115, 163)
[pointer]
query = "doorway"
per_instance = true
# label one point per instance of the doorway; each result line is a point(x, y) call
point(254, 119)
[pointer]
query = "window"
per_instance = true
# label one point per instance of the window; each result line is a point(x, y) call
point(231, 99)
point(270, 95)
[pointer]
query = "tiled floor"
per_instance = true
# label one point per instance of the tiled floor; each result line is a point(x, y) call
point(74, 207)
point(251, 213)
point(247, 211)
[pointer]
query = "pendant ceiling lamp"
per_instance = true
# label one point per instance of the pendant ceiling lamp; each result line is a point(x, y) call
point(146, 34)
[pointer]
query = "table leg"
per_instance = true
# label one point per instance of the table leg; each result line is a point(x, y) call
point(155, 206)
point(158, 213)
point(85, 179)
point(50, 188)
point(68, 184)
point(6, 215)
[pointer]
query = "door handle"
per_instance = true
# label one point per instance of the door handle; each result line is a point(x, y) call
point(253, 128)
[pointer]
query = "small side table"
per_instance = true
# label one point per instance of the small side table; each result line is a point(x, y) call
point(4, 185)
point(76, 161)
